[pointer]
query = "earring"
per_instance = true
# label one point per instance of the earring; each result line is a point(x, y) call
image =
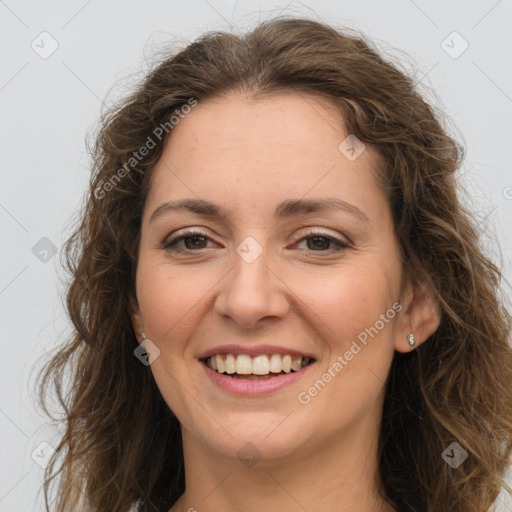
point(411, 339)
point(142, 335)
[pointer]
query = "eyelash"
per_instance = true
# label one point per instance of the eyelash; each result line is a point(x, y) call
point(170, 245)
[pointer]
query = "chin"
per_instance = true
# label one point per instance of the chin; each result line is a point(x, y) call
point(261, 436)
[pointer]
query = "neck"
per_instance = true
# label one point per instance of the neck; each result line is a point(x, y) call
point(342, 477)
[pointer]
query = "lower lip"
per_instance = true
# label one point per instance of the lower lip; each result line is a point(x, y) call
point(247, 387)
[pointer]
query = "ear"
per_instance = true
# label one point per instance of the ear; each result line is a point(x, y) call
point(136, 318)
point(420, 315)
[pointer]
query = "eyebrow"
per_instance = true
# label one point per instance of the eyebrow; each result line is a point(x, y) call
point(285, 209)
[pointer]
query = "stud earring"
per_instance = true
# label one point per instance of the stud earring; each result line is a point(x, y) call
point(411, 339)
point(142, 335)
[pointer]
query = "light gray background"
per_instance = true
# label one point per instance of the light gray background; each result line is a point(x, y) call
point(48, 105)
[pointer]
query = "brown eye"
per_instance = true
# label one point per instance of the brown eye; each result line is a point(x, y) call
point(321, 242)
point(318, 242)
point(192, 241)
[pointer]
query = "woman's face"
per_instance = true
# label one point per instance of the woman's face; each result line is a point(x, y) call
point(264, 272)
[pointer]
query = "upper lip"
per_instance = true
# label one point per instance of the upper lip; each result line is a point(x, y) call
point(253, 351)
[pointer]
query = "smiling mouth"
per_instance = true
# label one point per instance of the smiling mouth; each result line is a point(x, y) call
point(265, 366)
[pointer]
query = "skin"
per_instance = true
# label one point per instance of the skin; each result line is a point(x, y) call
point(248, 155)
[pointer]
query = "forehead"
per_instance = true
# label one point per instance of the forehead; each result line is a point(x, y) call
point(285, 144)
point(235, 120)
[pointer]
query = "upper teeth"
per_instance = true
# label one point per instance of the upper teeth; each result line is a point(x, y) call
point(244, 364)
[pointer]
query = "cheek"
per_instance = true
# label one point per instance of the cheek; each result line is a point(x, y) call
point(343, 303)
point(169, 301)
point(354, 311)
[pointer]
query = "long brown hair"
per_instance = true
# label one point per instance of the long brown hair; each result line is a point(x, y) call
point(121, 442)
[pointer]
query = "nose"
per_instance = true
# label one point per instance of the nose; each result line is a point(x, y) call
point(252, 292)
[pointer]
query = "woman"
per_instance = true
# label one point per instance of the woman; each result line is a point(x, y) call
point(278, 301)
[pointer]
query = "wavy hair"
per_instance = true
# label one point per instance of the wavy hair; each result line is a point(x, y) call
point(121, 444)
